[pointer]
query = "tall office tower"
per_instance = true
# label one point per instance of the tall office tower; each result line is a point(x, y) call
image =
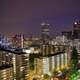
point(45, 32)
point(21, 66)
point(76, 30)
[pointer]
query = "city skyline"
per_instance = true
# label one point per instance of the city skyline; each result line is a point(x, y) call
point(26, 16)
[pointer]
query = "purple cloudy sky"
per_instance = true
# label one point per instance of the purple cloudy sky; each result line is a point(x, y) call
point(25, 16)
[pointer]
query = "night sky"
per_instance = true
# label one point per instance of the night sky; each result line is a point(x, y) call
point(25, 16)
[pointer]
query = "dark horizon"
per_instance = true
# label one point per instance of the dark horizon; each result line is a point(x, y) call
point(21, 16)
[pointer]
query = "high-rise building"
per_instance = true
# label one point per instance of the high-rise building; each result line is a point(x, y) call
point(6, 72)
point(5, 58)
point(45, 32)
point(76, 30)
point(47, 65)
point(18, 41)
point(21, 66)
point(6, 67)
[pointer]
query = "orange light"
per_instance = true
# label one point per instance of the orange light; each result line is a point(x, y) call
point(55, 78)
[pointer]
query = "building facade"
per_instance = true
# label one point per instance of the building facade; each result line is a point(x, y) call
point(21, 66)
point(6, 72)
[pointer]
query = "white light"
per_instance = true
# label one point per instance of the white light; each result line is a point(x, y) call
point(42, 75)
point(27, 51)
point(26, 59)
point(75, 23)
point(45, 24)
point(21, 68)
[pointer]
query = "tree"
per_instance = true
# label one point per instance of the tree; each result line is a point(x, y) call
point(46, 76)
point(74, 58)
point(31, 61)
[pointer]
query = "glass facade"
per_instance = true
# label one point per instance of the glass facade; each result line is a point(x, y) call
point(53, 62)
point(45, 65)
point(58, 61)
point(62, 60)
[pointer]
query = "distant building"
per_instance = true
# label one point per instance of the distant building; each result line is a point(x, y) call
point(4, 41)
point(67, 34)
point(76, 30)
point(18, 41)
point(45, 32)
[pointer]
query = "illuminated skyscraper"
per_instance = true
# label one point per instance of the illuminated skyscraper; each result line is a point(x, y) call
point(45, 32)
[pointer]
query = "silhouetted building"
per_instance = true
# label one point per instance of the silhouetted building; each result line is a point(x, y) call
point(67, 34)
point(76, 30)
